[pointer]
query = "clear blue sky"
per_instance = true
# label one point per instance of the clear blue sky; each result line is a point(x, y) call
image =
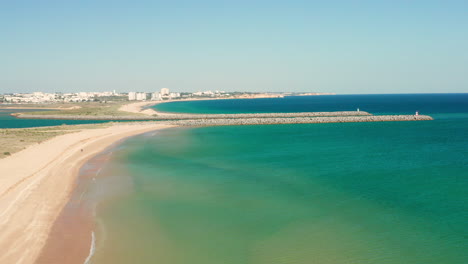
point(392, 46)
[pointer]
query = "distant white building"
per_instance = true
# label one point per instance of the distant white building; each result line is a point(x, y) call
point(156, 96)
point(131, 96)
point(141, 96)
point(134, 96)
point(205, 93)
point(174, 95)
point(40, 97)
point(164, 91)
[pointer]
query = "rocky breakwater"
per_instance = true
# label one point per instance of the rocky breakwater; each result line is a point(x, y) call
point(299, 120)
point(171, 116)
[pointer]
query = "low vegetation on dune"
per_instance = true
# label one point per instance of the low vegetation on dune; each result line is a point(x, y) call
point(15, 139)
point(110, 109)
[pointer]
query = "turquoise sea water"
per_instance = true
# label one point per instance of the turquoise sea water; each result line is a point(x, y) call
point(388, 192)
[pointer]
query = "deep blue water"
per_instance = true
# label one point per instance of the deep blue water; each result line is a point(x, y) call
point(377, 104)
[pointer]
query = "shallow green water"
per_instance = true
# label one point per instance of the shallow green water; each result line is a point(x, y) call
point(391, 192)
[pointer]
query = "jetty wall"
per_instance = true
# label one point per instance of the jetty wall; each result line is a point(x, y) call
point(170, 116)
point(298, 120)
point(249, 119)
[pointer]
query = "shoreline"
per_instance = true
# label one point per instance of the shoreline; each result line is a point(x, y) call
point(38, 183)
point(74, 229)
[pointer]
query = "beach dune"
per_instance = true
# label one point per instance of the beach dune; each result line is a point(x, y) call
point(36, 183)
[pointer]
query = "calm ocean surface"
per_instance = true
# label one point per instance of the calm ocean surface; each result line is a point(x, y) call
point(376, 104)
point(364, 193)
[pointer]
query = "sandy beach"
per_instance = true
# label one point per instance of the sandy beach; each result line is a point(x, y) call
point(36, 183)
point(138, 108)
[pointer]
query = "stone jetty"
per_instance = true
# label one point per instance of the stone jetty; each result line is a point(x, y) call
point(247, 119)
point(298, 120)
point(173, 116)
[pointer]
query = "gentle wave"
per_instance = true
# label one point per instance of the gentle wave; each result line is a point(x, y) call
point(92, 249)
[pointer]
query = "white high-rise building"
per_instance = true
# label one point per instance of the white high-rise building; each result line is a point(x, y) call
point(131, 96)
point(141, 96)
point(164, 91)
point(156, 96)
point(174, 95)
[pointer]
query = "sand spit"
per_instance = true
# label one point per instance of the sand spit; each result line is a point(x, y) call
point(139, 108)
point(142, 107)
point(35, 185)
point(299, 120)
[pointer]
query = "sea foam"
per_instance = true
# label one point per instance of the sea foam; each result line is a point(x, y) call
point(92, 249)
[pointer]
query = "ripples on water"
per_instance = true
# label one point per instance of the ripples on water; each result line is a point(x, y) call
point(362, 193)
